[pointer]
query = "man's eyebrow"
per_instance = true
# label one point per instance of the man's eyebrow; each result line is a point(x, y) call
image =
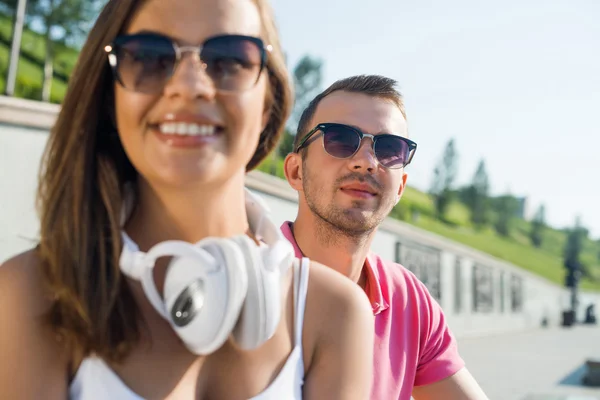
point(378, 133)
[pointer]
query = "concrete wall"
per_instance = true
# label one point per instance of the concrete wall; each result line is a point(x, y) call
point(505, 297)
point(23, 132)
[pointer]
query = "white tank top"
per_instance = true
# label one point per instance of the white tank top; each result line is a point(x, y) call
point(95, 380)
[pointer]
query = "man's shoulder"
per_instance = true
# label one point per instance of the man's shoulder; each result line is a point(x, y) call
point(429, 349)
point(395, 274)
point(401, 286)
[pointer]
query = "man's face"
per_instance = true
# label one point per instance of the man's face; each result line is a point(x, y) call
point(357, 193)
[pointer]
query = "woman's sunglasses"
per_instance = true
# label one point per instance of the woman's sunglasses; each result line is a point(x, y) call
point(144, 62)
point(343, 141)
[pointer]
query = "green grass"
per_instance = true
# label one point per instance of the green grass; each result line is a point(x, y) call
point(534, 260)
point(415, 200)
point(273, 166)
point(415, 207)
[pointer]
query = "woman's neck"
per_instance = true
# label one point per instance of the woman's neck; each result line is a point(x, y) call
point(189, 214)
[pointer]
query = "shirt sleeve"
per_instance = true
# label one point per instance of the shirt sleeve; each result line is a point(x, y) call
point(438, 350)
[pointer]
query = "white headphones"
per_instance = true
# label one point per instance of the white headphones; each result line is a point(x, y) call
point(218, 286)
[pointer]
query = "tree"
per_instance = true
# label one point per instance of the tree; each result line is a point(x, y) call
point(444, 176)
point(574, 244)
point(538, 226)
point(8, 7)
point(476, 196)
point(506, 207)
point(286, 143)
point(572, 259)
point(308, 77)
point(61, 21)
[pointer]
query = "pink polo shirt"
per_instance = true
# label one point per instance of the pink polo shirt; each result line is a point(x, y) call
point(413, 344)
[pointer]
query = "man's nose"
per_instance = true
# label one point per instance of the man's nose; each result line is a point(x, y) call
point(364, 158)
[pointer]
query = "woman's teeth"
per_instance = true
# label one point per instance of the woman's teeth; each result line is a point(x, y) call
point(184, 128)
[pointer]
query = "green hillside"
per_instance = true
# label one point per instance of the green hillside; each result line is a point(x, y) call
point(415, 208)
point(545, 261)
point(31, 64)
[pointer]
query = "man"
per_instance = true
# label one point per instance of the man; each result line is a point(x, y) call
point(348, 165)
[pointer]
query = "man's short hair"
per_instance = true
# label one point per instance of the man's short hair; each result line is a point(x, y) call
point(372, 85)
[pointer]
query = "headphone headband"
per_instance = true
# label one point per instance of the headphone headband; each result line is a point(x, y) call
point(218, 286)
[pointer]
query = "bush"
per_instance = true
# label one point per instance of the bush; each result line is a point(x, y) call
point(28, 89)
point(273, 165)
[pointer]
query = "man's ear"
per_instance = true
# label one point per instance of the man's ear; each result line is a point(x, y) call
point(402, 186)
point(292, 168)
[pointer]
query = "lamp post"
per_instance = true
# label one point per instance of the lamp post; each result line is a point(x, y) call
point(15, 48)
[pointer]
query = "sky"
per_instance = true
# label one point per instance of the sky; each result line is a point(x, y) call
point(514, 82)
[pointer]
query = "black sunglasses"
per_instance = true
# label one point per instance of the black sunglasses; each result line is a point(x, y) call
point(343, 141)
point(144, 62)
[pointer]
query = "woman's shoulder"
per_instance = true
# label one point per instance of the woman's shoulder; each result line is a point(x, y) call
point(34, 363)
point(21, 287)
point(335, 303)
point(329, 287)
point(339, 323)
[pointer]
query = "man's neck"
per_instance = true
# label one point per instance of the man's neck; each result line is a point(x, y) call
point(322, 242)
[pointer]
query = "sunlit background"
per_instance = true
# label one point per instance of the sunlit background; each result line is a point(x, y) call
point(503, 99)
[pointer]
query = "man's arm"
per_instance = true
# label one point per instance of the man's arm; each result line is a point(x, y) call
point(460, 386)
point(441, 374)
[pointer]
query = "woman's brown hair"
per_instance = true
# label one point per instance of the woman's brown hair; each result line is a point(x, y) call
point(80, 193)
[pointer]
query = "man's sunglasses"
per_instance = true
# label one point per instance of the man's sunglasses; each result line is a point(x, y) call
point(144, 62)
point(343, 141)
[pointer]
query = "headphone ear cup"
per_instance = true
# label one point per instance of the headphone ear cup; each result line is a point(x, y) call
point(261, 312)
point(218, 292)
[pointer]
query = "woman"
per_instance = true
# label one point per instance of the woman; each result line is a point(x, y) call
point(174, 100)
